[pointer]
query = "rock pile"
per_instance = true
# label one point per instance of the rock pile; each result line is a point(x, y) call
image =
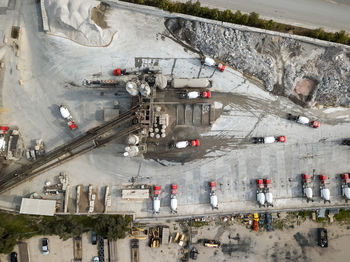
point(279, 62)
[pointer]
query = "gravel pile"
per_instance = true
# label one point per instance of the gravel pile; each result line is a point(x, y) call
point(277, 61)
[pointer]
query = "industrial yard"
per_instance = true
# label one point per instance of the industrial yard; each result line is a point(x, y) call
point(140, 112)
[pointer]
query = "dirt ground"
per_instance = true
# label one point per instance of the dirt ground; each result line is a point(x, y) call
point(241, 244)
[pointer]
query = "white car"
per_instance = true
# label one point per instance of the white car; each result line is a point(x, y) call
point(45, 246)
point(96, 259)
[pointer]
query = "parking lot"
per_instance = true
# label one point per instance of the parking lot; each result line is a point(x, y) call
point(59, 250)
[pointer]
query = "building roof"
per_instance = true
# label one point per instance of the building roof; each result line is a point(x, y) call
point(38, 207)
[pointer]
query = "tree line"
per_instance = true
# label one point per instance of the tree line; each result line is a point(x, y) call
point(252, 19)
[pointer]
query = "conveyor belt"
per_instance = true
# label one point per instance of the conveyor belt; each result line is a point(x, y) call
point(78, 146)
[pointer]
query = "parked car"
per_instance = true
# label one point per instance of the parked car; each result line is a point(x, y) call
point(13, 257)
point(93, 238)
point(322, 237)
point(96, 259)
point(45, 246)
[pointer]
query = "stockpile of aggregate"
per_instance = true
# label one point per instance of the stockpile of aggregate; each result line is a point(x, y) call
point(280, 63)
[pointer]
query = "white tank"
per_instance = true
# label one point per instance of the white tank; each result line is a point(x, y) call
point(346, 192)
point(191, 82)
point(133, 139)
point(181, 144)
point(64, 112)
point(269, 197)
point(269, 140)
point(325, 194)
point(156, 205)
point(145, 90)
point(303, 120)
point(260, 197)
point(131, 151)
point(213, 200)
point(308, 192)
point(193, 94)
point(131, 88)
point(173, 204)
point(209, 61)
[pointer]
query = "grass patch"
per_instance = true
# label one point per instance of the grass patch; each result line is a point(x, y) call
point(15, 227)
point(343, 216)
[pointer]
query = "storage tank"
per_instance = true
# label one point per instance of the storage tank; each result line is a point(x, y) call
point(191, 83)
point(131, 88)
point(161, 81)
point(269, 140)
point(213, 200)
point(133, 139)
point(145, 90)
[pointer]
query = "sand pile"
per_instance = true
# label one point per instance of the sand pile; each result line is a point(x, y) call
point(73, 19)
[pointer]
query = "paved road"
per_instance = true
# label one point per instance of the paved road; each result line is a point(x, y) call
point(329, 14)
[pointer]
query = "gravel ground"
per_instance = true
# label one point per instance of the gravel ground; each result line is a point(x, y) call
point(279, 62)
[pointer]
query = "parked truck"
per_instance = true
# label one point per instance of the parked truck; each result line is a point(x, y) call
point(173, 199)
point(156, 200)
point(268, 193)
point(322, 237)
point(304, 121)
point(260, 195)
point(345, 186)
point(269, 139)
point(213, 196)
point(307, 190)
point(325, 194)
point(195, 94)
point(136, 71)
point(211, 62)
point(68, 117)
point(185, 143)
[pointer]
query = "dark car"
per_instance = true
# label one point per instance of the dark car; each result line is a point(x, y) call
point(93, 238)
point(45, 246)
point(322, 237)
point(13, 257)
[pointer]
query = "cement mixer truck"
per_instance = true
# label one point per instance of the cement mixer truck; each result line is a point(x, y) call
point(185, 143)
point(269, 139)
point(260, 195)
point(307, 190)
point(156, 200)
point(345, 186)
point(68, 117)
point(213, 196)
point(304, 121)
point(325, 194)
point(195, 94)
point(268, 193)
point(173, 199)
point(211, 62)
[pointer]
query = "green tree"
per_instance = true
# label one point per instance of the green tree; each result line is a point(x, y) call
point(254, 19)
